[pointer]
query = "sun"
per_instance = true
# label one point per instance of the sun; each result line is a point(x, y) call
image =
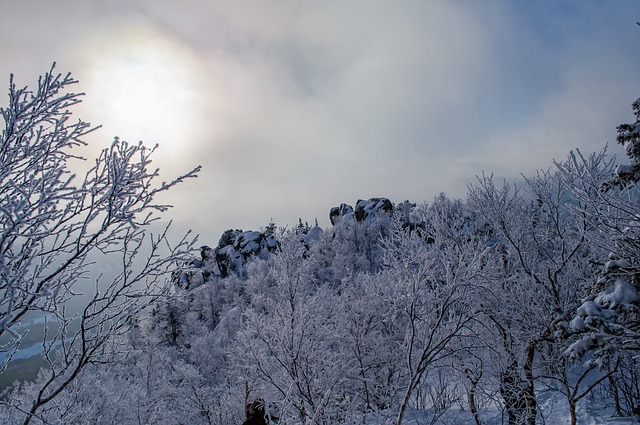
point(142, 86)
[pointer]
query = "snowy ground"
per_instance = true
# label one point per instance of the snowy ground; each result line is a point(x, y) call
point(553, 412)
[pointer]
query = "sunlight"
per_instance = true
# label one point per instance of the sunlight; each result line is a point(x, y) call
point(142, 86)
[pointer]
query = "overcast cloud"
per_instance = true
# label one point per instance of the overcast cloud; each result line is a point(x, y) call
point(293, 107)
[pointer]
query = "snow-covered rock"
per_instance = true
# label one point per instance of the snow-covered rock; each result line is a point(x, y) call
point(338, 213)
point(364, 210)
point(312, 236)
point(234, 249)
point(371, 207)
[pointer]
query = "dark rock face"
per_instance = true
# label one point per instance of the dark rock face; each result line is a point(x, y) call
point(337, 213)
point(234, 249)
point(364, 209)
point(372, 206)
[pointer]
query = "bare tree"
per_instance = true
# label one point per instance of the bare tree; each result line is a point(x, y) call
point(608, 321)
point(542, 269)
point(428, 285)
point(287, 346)
point(55, 226)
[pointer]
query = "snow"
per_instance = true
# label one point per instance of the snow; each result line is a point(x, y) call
point(594, 312)
point(313, 235)
point(615, 264)
point(624, 294)
point(578, 348)
point(249, 242)
point(552, 411)
point(624, 169)
point(577, 324)
point(229, 324)
point(631, 130)
point(589, 308)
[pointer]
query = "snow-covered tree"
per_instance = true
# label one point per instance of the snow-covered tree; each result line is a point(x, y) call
point(285, 347)
point(368, 343)
point(609, 319)
point(606, 325)
point(56, 225)
point(152, 386)
point(542, 264)
point(427, 283)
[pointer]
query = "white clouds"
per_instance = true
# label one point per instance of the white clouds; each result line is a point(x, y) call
point(358, 85)
point(308, 104)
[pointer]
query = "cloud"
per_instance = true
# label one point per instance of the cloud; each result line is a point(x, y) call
point(593, 81)
point(316, 101)
point(307, 105)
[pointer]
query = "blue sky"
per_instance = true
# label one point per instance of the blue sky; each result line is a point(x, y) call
point(293, 107)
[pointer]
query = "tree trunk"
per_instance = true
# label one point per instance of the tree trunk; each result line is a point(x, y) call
point(616, 395)
point(512, 393)
point(572, 411)
point(403, 406)
point(529, 390)
point(473, 407)
point(570, 394)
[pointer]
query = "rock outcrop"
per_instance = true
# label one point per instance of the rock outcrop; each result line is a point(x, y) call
point(229, 258)
point(364, 210)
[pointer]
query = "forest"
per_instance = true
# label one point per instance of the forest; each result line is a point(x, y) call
point(517, 304)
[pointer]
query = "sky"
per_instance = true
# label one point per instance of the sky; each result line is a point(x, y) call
point(292, 107)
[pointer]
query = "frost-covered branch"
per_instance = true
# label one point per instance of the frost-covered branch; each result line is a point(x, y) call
point(55, 225)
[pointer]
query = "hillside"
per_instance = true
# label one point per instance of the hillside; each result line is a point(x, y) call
point(487, 310)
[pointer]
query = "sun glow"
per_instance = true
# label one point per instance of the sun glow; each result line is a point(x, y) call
point(142, 86)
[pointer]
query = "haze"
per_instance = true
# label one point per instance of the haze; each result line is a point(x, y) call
point(294, 107)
